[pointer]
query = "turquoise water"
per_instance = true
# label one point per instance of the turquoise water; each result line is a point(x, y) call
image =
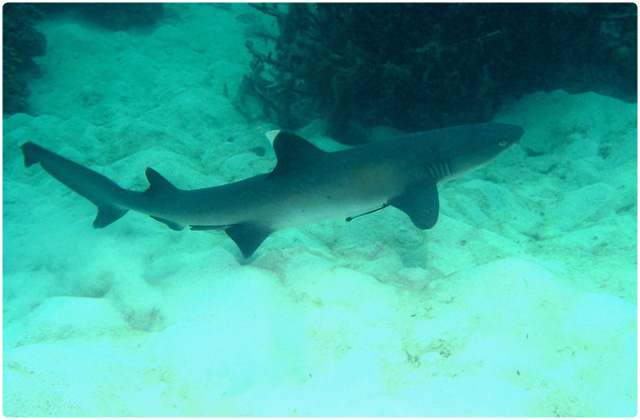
point(520, 302)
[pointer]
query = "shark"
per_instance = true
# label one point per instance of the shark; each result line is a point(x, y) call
point(307, 184)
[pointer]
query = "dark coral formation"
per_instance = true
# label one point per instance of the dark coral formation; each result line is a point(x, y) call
point(114, 16)
point(419, 66)
point(21, 42)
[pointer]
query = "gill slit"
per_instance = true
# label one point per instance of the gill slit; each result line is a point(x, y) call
point(439, 169)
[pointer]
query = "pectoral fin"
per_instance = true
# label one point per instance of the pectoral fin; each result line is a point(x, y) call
point(420, 201)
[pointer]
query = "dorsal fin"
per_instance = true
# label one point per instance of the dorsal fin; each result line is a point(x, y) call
point(292, 151)
point(158, 184)
point(271, 135)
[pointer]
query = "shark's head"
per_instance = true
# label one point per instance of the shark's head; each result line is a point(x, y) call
point(479, 144)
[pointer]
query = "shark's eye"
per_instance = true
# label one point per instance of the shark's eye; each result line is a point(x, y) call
point(503, 143)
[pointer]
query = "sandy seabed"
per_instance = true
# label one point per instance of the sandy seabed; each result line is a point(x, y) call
point(520, 302)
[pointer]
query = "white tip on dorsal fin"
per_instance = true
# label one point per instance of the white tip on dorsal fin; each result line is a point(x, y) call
point(271, 135)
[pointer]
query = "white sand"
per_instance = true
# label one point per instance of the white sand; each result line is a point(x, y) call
point(520, 302)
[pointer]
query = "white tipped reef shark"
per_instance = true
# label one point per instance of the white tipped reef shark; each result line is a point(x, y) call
point(307, 184)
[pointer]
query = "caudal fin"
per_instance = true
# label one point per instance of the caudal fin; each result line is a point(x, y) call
point(98, 189)
point(30, 152)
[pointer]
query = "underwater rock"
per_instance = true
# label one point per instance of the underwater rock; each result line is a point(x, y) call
point(21, 42)
point(589, 203)
point(63, 318)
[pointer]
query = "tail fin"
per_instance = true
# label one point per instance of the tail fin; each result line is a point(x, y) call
point(98, 189)
point(30, 153)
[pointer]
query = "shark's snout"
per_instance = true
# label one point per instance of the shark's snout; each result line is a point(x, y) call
point(481, 144)
point(511, 133)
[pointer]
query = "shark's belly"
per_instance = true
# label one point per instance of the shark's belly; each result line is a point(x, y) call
point(315, 209)
point(341, 197)
point(285, 202)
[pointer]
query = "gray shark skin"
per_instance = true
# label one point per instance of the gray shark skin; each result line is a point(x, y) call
point(307, 185)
